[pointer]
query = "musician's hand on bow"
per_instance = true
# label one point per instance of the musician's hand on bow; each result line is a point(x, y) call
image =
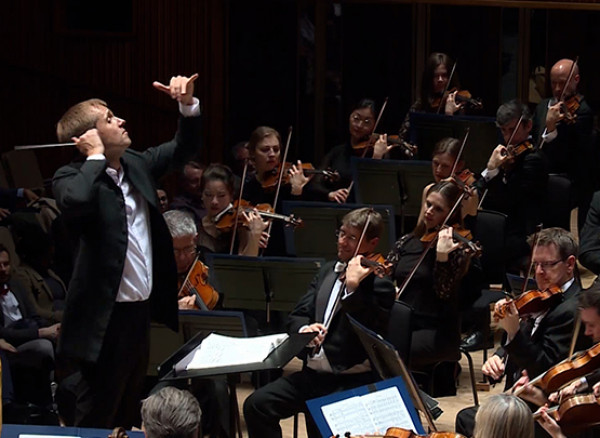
point(498, 158)
point(339, 195)
point(321, 332)
point(186, 303)
point(553, 116)
point(89, 143)
point(493, 367)
point(549, 424)
point(30, 195)
point(529, 392)
point(355, 273)
point(445, 244)
point(180, 88)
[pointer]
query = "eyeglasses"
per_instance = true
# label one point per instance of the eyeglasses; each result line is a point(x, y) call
point(355, 118)
point(545, 265)
point(341, 234)
point(191, 249)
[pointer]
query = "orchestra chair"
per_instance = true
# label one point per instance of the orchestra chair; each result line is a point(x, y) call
point(320, 221)
point(164, 342)
point(396, 182)
point(559, 202)
point(490, 233)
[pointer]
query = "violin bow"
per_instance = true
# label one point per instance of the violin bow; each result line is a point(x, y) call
point(447, 86)
point(576, 329)
point(460, 152)
point(280, 179)
point(237, 212)
point(510, 139)
point(562, 97)
point(533, 246)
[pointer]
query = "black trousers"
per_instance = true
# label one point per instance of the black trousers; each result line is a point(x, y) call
point(287, 395)
point(110, 391)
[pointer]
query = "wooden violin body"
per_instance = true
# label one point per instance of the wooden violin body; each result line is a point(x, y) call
point(571, 369)
point(196, 285)
point(271, 178)
point(398, 432)
point(225, 220)
point(532, 301)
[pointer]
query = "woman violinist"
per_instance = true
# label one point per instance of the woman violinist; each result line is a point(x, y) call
point(217, 187)
point(433, 291)
point(264, 148)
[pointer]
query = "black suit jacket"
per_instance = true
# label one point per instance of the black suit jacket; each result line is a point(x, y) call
point(589, 249)
point(548, 345)
point(93, 205)
point(27, 329)
point(370, 304)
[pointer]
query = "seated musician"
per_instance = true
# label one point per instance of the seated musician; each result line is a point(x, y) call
point(502, 416)
point(433, 291)
point(589, 313)
point(536, 343)
point(335, 362)
point(171, 413)
point(514, 182)
point(218, 196)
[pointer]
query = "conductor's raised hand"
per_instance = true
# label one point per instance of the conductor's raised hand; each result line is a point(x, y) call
point(180, 88)
point(89, 143)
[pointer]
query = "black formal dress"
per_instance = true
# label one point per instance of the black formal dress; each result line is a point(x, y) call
point(369, 304)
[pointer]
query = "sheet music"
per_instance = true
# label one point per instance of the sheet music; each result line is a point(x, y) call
point(368, 414)
point(218, 350)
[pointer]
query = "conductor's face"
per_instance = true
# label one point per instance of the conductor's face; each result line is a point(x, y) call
point(348, 238)
point(111, 130)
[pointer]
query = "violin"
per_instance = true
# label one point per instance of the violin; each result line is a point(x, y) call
point(575, 413)
point(225, 220)
point(380, 264)
point(410, 150)
point(569, 108)
point(569, 369)
point(270, 178)
point(461, 235)
point(462, 96)
point(399, 432)
point(532, 301)
point(196, 285)
point(514, 151)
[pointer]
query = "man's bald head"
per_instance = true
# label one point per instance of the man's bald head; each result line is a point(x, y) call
point(558, 78)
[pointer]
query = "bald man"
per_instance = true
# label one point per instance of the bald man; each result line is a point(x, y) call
point(568, 145)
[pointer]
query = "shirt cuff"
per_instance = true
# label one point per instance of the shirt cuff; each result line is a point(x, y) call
point(96, 157)
point(192, 110)
point(489, 174)
point(583, 385)
point(549, 136)
point(20, 192)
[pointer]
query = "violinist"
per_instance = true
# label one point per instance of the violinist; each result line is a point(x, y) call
point(515, 181)
point(264, 148)
point(502, 416)
point(360, 126)
point(535, 342)
point(433, 292)
point(435, 81)
point(217, 186)
point(568, 144)
point(443, 158)
point(339, 363)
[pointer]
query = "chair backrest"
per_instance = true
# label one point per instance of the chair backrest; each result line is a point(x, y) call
point(490, 232)
point(559, 201)
point(400, 329)
point(316, 238)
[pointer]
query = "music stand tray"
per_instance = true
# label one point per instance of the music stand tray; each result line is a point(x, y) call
point(278, 358)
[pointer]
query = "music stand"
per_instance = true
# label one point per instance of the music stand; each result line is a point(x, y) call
point(388, 364)
point(173, 368)
point(316, 238)
point(426, 129)
point(262, 283)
